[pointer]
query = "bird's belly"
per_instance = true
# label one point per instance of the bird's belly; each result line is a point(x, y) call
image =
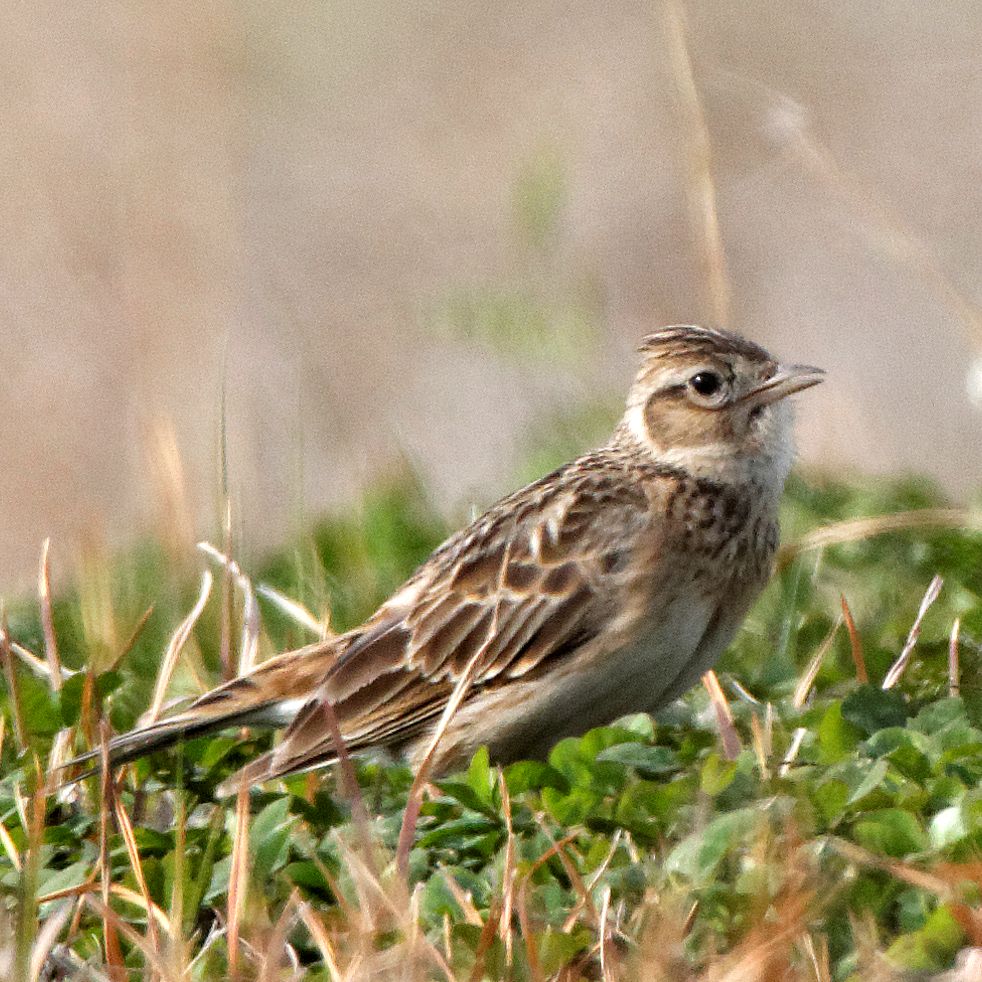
point(526, 718)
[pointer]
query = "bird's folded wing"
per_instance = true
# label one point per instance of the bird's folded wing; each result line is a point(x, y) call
point(509, 595)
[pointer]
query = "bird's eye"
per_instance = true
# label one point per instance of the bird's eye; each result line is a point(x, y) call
point(706, 383)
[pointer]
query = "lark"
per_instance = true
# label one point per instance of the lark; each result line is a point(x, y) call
point(607, 587)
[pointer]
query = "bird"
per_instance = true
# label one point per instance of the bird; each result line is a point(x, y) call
point(607, 587)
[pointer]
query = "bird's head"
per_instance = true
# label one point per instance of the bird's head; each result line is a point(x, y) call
point(715, 404)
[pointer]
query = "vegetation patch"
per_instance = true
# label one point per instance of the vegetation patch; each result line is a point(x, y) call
point(812, 813)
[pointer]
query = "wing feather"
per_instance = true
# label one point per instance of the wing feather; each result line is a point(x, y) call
point(530, 581)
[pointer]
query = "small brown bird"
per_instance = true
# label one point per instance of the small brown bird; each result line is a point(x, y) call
point(609, 586)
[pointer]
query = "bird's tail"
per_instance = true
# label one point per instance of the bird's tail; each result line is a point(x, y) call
point(270, 695)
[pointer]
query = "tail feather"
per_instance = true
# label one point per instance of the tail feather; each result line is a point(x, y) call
point(184, 726)
point(270, 695)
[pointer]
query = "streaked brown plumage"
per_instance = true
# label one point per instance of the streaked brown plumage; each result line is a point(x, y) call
point(608, 586)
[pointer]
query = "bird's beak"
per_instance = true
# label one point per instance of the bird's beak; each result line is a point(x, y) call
point(787, 380)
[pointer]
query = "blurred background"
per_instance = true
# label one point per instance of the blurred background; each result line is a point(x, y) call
point(372, 236)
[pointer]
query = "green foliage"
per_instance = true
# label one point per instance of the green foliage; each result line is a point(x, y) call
point(853, 804)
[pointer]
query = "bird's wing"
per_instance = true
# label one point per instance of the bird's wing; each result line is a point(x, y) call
point(535, 578)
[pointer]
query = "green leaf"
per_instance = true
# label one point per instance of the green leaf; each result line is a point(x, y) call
point(871, 708)
point(932, 947)
point(70, 698)
point(438, 900)
point(717, 774)
point(463, 792)
point(698, 855)
point(39, 706)
point(453, 833)
point(640, 724)
point(939, 715)
point(51, 881)
point(837, 738)
point(557, 949)
point(831, 797)
point(269, 838)
point(308, 875)
point(906, 750)
point(529, 775)
point(891, 832)
point(870, 781)
point(647, 761)
point(572, 807)
point(481, 778)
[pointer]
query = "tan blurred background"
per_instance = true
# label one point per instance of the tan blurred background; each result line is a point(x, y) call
point(325, 208)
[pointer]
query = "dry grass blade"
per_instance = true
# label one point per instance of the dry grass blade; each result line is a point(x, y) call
point(322, 939)
point(10, 848)
point(886, 231)
point(855, 644)
point(797, 738)
point(484, 942)
point(47, 618)
point(13, 690)
point(349, 783)
point(524, 921)
point(249, 648)
point(227, 613)
point(858, 529)
point(109, 916)
point(924, 880)
point(762, 744)
point(131, 641)
point(818, 955)
point(116, 890)
point(112, 947)
point(60, 749)
point(37, 665)
point(898, 667)
point(175, 646)
point(528, 936)
point(46, 938)
point(296, 611)
point(414, 800)
point(276, 946)
point(584, 900)
point(787, 124)
point(129, 839)
point(602, 931)
point(169, 482)
point(808, 677)
point(954, 670)
point(464, 900)
point(729, 737)
point(238, 880)
point(702, 189)
point(508, 874)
